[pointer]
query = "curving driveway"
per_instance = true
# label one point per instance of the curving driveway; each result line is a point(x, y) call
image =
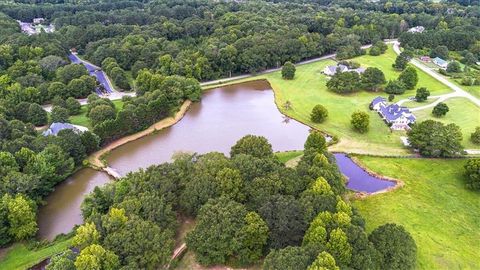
point(457, 91)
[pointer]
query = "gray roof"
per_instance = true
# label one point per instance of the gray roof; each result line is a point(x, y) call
point(56, 127)
point(333, 69)
point(439, 61)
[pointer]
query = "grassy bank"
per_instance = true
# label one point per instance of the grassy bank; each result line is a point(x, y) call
point(18, 256)
point(434, 205)
point(309, 88)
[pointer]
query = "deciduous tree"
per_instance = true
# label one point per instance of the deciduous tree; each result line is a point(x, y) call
point(397, 248)
point(319, 114)
point(360, 121)
point(440, 109)
point(422, 94)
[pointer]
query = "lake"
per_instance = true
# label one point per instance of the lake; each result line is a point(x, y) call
point(222, 117)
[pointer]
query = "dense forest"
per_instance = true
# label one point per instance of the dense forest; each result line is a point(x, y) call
point(246, 206)
point(161, 50)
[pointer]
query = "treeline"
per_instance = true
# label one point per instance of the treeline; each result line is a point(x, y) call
point(455, 39)
point(157, 97)
point(30, 166)
point(246, 207)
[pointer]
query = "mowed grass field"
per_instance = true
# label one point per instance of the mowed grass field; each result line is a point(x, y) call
point(462, 113)
point(434, 206)
point(18, 256)
point(309, 88)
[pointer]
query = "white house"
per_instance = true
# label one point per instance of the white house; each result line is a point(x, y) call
point(397, 117)
point(332, 70)
point(440, 62)
point(416, 29)
point(38, 20)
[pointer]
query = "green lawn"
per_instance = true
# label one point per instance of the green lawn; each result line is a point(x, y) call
point(463, 113)
point(289, 155)
point(309, 88)
point(19, 256)
point(434, 206)
point(82, 119)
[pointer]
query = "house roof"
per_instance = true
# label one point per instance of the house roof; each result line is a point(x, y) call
point(394, 111)
point(333, 69)
point(56, 127)
point(439, 61)
point(377, 100)
point(359, 70)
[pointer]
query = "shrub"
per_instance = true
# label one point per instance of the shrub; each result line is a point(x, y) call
point(288, 71)
point(454, 67)
point(475, 136)
point(409, 77)
point(422, 94)
point(440, 109)
point(59, 114)
point(472, 172)
point(360, 121)
point(344, 82)
point(395, 87)
point(319, 114)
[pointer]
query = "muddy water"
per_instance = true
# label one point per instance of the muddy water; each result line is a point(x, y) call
point(62, 210)
point(214, 124)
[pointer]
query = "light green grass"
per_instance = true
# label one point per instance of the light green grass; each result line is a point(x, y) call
point(434, 206)
point(309, 88)
point(414, 104)
point(462, 112)
point(81, 119)
point(19, 256)
point(289, 155)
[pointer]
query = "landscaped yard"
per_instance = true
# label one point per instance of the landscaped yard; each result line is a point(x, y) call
point(20, 257)
point(308, 89)
point(82, 119)
point(434, 206)
point(463, 113)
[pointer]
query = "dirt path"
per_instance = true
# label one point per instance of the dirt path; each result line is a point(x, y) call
point(95, 158)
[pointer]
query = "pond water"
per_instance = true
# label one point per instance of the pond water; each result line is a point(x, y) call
point(62, 210)
point(222, 117)
point(358, 178)
point(215, 124)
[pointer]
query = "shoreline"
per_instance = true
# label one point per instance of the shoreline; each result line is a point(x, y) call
point(95, 159)
point(362, 195)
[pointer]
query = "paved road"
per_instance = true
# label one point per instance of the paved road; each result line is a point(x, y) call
point(224, 80)
point(458, 91)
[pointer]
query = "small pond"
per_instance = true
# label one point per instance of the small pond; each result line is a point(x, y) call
point(358, 178)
